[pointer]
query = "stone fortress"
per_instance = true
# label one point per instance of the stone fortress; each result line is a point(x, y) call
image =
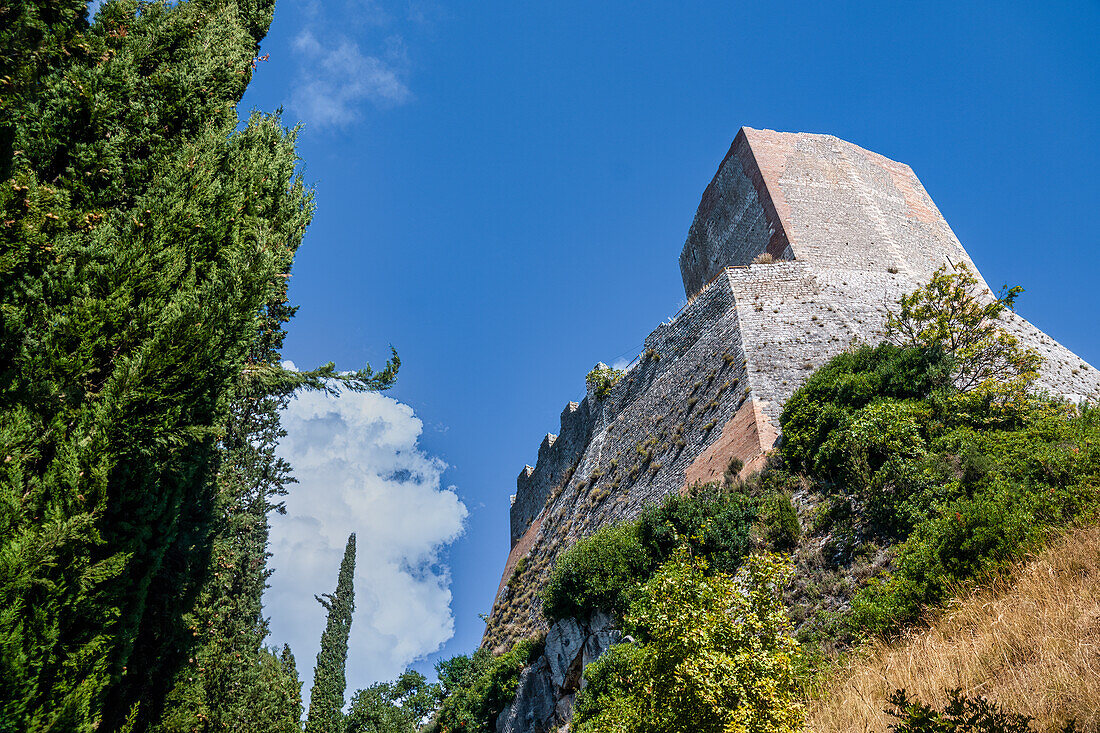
point(848, 231)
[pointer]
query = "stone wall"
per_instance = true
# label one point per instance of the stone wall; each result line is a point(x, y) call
point(666, 410)
point(853, 231)
point(736, 221)
point(557, 457)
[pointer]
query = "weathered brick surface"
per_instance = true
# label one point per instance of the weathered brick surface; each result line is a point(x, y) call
point(852, 230)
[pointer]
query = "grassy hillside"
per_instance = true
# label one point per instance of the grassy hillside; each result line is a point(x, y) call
point(909, 475)
point(1029, 641)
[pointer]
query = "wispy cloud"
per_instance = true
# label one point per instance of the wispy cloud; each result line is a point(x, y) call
point(337, 78)
point(360, 469)
point(354, 59)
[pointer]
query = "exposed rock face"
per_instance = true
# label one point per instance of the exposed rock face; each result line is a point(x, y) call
point(548, 687)
point(849, 232)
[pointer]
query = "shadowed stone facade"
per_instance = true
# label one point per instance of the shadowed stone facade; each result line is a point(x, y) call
point(850, 231)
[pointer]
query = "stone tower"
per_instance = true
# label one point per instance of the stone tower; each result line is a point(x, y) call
point(848, 232)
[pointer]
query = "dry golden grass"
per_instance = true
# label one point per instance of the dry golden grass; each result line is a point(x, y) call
point(1030, 642)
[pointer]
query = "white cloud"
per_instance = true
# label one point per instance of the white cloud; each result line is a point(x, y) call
point(361, 470)
point(336, 78)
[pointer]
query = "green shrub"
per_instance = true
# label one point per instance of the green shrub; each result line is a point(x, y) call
point(597, 573)
point(847, 383)
point(715, 523)
point(603, 378)
point(968, 537)
point(603, 571)
point(961, 714)
point(477, 688)
point(715, 656)
point(960, 485)
point(954, 312)
point(782, 529)
point(392, 707)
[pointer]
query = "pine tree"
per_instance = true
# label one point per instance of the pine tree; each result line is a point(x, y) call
point(145, 236)
point(326, 699)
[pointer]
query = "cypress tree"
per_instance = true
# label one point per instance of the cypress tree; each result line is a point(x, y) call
point(326, 699)
point(230, 681)
point(145, 236)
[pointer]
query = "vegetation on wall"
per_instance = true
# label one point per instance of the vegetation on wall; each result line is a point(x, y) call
point(955, 313)
point(602, 378)
point(716, 521)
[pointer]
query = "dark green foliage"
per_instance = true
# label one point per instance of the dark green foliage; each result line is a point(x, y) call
point(227, 683)
point(326, 698)
point(782, 529)
point(392, 707)
point(847, 383)
point(145, 243)
point(714, 522)
point(959, 486)
point(477, 688)
point(961, 714)
point(143, 235)
point(602, 571)
point(597, 573)
point(995, 495)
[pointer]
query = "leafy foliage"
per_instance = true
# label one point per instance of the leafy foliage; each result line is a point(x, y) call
point(989, 496)
point(326, 699)
point(954, 312)
point(714, 520)
point(850, 381)
point(477, 688)
point(780, 521)
point(392, 707)
point(961, 713)
point(598, 572)
point(715, 655)
point(602, 378)
point(604, 570)
point(959, 482)
point(146, 240)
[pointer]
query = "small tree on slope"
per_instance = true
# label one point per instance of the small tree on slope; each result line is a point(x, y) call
point(953, 312)
point(326, 701)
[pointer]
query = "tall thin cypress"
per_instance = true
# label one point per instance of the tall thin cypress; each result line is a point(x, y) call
point(326, 701)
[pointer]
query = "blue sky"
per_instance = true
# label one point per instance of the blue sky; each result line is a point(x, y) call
point(502, 193)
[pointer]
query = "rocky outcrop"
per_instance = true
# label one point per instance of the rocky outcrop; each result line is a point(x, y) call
point(548, 687)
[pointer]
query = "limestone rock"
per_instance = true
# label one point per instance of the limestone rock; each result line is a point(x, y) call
point(596, 644)
point(564, 644)
point(533, 709)
point(548, 688)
